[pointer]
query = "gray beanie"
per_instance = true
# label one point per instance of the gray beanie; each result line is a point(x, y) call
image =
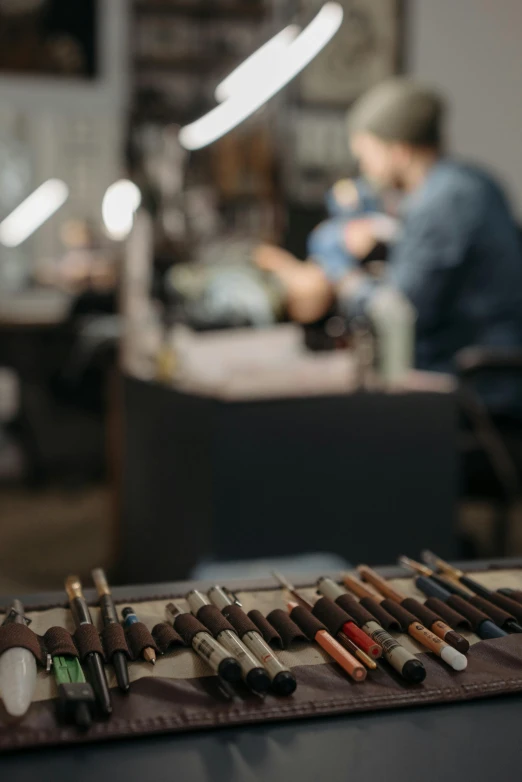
point(399, 110)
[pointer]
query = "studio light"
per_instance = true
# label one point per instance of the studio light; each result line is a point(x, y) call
point(33, 212)
point(256, 91)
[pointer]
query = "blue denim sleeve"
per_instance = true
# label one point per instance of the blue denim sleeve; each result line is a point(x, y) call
point(428, 257)
point(327, 247)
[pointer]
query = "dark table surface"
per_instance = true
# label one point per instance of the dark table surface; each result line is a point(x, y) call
point(284, 476)
point(479, 741)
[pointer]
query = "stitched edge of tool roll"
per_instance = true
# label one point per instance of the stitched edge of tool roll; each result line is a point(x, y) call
point(139, 638)
point(113, 638)
point(307, 622)
point(494, 669)
point(288, 630)
point(499, 616)
point(404, 617)
point(384, 618)
point(268, 631)
point(166, 637)
point(13, 635)
point(466, 609)
point(448, 614)
point(332, 615)
point(239, 620)
point(57, 641)
point(213, 620)
point(87, 640)
point(423, 612)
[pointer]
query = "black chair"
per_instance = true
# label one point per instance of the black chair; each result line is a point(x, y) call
point(490, 444)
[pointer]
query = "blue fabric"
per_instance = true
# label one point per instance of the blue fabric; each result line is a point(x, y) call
point(327, 247)
point(459, 261)
point(326, 244)
point(368, 201)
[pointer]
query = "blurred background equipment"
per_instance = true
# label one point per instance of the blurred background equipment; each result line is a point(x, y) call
point(166, 167)
point(49, 37)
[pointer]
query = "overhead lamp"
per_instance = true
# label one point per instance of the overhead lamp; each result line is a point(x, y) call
point(252, 71)
point(120, 202)
point(243, 102)
point(33, 212)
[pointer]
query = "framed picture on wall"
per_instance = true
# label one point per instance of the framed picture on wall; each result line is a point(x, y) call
point(54, 38)
point(366, 50)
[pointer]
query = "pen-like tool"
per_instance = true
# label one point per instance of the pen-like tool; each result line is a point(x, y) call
point(110, 617)
point(129, 619)
point(361, 643)
point(75, 695)
point(435, 624)
point(436, 586)
point(345, 652)
point(93, 661)
point(421, 634)
point(204, 645)
point(17, 669)
point(254, 674)
point(497, 598)
point(282, 678)
point(403, 661)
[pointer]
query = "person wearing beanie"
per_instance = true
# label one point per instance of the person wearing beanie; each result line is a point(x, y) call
point(458, 254)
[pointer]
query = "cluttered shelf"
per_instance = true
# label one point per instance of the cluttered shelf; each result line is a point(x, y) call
point(197, 63)
point(203, 9)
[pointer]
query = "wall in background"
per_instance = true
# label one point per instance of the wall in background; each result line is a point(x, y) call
point(471, 49)
point(74, 129)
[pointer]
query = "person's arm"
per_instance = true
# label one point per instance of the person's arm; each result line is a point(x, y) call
point(309, 292)
point(427, 262)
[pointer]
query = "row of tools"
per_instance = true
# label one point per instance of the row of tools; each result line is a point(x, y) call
point(350, 622)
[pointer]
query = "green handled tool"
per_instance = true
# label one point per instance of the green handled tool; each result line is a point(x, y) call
point(75, 696)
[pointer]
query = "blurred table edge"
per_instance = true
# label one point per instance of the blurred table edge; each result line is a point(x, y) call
point(180, 588)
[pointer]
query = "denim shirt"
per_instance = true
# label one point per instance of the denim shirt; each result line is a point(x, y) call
point(459, 261)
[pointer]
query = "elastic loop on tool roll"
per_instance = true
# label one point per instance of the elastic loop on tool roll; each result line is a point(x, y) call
point(352, 607)
point(331, 615)
point(140, 638)
point(59, 642)
point(495, 613)
point(214, 620)
point(453, 618)
point(515, 595)
point(87, 640)
point(113, 637)
point(308, 623)
point(384, 618)
point(166, 637)
point(423, 612)
point(239, 620)
point(507, 604)
point(475, 616)
point(288, 630)
point(13, 635)
point(406, 618)
point(268, 631)
point(188, 626)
